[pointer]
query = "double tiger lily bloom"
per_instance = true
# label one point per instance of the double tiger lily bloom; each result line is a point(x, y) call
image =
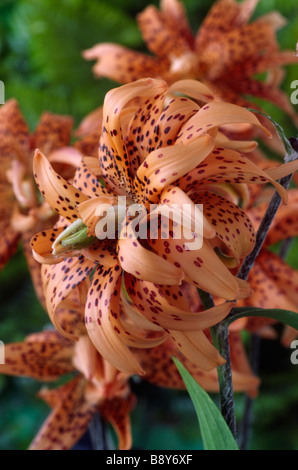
point(97, 387)
point(22, 212)
point(227, 52)
point(274, 282)
point(163, 148)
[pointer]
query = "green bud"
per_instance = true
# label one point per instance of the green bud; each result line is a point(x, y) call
point(74, 237)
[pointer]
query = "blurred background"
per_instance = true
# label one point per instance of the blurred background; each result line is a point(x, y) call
point(42, 67)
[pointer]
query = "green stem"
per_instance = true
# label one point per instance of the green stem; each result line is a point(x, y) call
point(220, 336)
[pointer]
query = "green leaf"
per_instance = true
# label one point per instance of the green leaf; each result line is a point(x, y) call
point(215, 432)
point(283, 316)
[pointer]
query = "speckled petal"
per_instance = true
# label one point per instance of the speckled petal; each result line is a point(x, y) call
point(43, 356)
point(61, 195)
point(102, 302)
point(68, 421)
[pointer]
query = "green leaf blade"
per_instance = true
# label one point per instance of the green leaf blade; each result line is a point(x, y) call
point(282, 316)
point(215, 432)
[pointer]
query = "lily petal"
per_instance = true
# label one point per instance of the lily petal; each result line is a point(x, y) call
point(61, 195)
point(231, 223)
point(227, 166)
point(60, 280)
point(68, 421)
point(164, 166)
point(103, 302)
point(217, 114)
point(151, 303)
point(41, 245)
point(87, 182)
point(44, 356)
point(144, 264)
point(121, 64)
point(117, 412)
point(197, 348)
point(52, 132)
point(201, 266)
point(167, 42)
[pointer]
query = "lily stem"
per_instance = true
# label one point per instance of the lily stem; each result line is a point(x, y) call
point(220, 336)
point(248, 415)
point(97, 432)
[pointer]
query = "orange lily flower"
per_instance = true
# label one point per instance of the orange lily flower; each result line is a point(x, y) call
point(156, 147)
point(226, 53)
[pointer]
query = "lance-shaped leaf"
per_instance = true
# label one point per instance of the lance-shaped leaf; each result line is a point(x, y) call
point(215, 432)
point(283, 316)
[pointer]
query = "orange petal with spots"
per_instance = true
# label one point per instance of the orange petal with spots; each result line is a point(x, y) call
point(268, 291)
point(149, 130)
point(102, 252)
point(161, 32)
point(34, 267)
point(164, 166)
point(60, 280)
point(197, 349)
point(161, 370)
point(43, 356)
point(121, 64)
point(193, 89)
point(52, 132)
point(66, 156)
point(236, 47)
point(14, 128)
point(269, 93)
point(201, 266)
point(41, 245)
point(117, 412)
point(87, 182)
point(113, 153)
point(217, 114)
point(231, 223)
point(88, 211)
point(133, 334)
point(102, 302)
point(228, 166)
point(285, 277)
point(61, 195)
point(68, 421)
point(151, 303)
point(224, 16)
point(143, 263)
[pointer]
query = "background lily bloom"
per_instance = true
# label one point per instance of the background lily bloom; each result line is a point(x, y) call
point(226, 53)
point(155, 147)
point(273, 281)
point(22, 211)
point(98, 386)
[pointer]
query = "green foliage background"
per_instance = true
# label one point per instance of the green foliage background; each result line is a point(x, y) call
point(41, 65)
